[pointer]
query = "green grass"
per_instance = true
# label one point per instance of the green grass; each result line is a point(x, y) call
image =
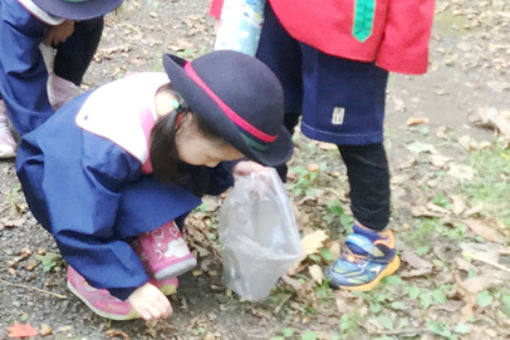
point(491, 183)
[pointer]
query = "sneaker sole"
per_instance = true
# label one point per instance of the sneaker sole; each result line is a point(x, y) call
point(390, 269)
point(99, 312)
point(176, 269)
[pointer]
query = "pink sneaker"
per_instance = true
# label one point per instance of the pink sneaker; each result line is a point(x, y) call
point(7, 143)
point(164, 252)
point(100, 301)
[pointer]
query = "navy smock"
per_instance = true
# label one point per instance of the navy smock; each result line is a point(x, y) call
point(23, 74)
point(92, 194)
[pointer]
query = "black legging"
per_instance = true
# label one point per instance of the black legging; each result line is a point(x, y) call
point(369, 179)
point(75, 54)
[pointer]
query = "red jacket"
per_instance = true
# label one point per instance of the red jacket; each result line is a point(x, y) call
point(392, 33)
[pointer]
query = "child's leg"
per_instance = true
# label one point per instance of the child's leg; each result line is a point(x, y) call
point(369, 253)
point(369, 179)
point(164, 252)
point(7, 143)
point(75, 54)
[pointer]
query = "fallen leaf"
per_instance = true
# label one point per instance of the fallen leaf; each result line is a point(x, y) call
point(439, 161)
point(335, 249)
point(412, 121)
point(485, 250)
point(316, 273)
point(491, 118)
point(415, 261)
point(327, 146)
point(21, 330)
point(46, 330)
point(13, 223)
point(310, 243)
point(482, 229)
point(295, 284)
point(437, 209)
point(209, 336)
point(419, 147)
point(458, 204)
point(474, 210)
point(479, 283)
point(117, 333)
point(179, 45)
point(451, 306)
point(467, 143)
point(441, 132)
point(462, 172)
point(313, 167)
point(415, 273)
point(400, 106)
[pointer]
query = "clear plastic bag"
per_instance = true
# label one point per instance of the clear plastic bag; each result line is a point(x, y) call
point(259, 234)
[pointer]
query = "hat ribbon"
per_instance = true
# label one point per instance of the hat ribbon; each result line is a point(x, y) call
point(238, 120)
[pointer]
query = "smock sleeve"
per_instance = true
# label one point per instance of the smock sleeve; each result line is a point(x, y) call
point(221, 177)
point(24, 74)
point(404, 47)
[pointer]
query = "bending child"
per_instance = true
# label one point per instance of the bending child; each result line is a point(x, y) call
point(72, 27)
point(113, 172)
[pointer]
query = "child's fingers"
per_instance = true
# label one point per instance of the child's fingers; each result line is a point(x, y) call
point(144, 314)
point(154, 311)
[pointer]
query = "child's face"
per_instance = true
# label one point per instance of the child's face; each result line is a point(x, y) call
point(196, 149)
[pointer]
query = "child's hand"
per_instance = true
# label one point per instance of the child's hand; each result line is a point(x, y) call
point(150, 303)
point(244, 168)
point(58, 34)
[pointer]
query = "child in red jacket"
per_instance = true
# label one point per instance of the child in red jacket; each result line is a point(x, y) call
point(333, 61)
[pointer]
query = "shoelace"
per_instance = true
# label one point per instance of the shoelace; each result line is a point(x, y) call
point(352, 257)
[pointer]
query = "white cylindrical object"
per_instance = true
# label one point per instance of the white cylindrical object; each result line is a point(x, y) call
point(240, 26)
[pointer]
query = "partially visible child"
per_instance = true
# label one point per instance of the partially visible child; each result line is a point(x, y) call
point(72, 27)
point(333, 58)
point(114, 171)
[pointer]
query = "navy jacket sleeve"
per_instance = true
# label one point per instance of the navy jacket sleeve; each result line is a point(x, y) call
point(23, 73)
point(221, 177)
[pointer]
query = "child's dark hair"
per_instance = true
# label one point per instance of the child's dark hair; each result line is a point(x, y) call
point(166, 165)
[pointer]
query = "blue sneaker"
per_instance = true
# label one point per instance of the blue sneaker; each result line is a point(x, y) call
point(368, 256)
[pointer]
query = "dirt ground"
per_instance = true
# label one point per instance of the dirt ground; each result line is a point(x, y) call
point(469, 72)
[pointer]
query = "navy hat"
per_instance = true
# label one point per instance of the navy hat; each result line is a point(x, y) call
point(78, 9)
point(239, 97)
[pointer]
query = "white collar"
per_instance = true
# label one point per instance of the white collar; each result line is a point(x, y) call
point(41, 14)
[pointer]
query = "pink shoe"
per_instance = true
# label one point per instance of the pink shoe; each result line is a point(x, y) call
point(164, 252)
point(7, 143)
point(100, 301)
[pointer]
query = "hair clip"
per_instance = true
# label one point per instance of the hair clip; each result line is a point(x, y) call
point(178, 103)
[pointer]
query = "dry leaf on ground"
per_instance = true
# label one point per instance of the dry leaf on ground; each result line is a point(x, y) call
point(484, 230)
point(117, 333)
point(412, 121)
point(19, 330)
point(316, 273)
point(311, 243)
